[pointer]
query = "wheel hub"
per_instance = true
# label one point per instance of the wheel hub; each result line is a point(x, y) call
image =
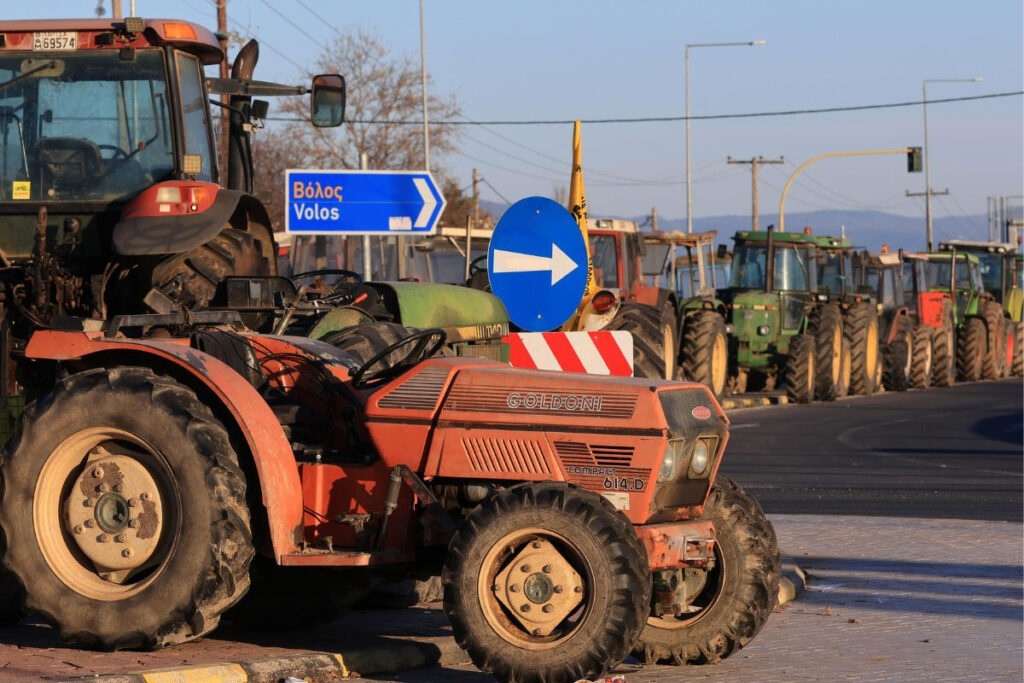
point(539, 587)
point(114, 515)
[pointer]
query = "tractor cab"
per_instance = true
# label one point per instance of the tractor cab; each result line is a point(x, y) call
point(881, 276)
point(958, 276)
point(999, 265)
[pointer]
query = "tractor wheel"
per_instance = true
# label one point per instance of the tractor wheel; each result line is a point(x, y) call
point(799, 370)
point(124, 511)
point(827, 324)
point(191, 279)
point(10, 600)
point(944, 349)
point(993, 364)
point(897, 360)
point(363, 342)
point(653, 340)
point(971, 347)
point(544, 582)
point(705, 355)
point(921, 357)
point(1017, 355)
point(298, 597)
point(734, 598)
point(670, 318)
point(861, 331)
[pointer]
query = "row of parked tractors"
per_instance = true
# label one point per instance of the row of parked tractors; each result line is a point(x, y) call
point(191, 436)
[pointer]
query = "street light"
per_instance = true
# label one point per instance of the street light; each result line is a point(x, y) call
point(927, 156)
point(689, 186)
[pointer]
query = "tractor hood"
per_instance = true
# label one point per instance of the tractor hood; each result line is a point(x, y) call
point(464, 314)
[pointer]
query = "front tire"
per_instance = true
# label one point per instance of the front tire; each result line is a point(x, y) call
point(545, 549)
point(827, 323)
point(653, 340)
point(993, 365)
point(739, 592)
point(124, 511)
point(944, 349)
point(921, 360)
point(799, 370)
point(1017, 354)
point(897, 362)
point(971, 349)
point(705, 354)
point(861, 330)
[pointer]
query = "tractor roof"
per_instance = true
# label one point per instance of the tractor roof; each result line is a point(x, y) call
point(762, 236)
point(611, 224)
point(978, 245)
point(942, 257)
point(17, 35)
point(685, 239)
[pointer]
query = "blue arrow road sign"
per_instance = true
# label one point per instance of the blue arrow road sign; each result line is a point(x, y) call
point(362, 202)
point(538, 263)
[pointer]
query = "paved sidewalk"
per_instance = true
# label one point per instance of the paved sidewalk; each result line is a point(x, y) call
point(888, 599)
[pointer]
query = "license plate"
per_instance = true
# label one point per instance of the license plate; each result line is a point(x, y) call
point(55, 40)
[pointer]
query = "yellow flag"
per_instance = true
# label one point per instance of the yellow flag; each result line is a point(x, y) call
point(578, 208)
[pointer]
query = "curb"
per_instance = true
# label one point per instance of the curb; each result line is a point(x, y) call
point(793, 581)
point(734, 403)
point(320, 667)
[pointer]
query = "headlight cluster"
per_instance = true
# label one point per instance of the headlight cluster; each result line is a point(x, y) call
point(701, 455)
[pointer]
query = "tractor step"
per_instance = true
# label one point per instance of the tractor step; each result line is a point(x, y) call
point(312, 557)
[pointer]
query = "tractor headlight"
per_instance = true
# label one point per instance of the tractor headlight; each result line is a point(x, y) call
point(763, 330)
point(670, 462)
point(700, 461)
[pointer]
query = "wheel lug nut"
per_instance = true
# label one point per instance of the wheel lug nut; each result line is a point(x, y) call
point(577, 589)
point(97, 473)
point(133, 523)
point(120, 538)
point(102, 488)
point(127, 552)
point(536, 631)
point(525, 568)
point(547, 569)
point(536, 545)
point(89, 524)
point(133, 502)
point(144, 496)
point(77, 529)
point(548, 609)
point(87, 502)
point(524, 608)
point(102, 538)
point(118, 488)
point(514, 588)
point(495, 588)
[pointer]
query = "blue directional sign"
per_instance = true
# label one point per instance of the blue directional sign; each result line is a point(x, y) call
point(361, 202)
point(538, 263)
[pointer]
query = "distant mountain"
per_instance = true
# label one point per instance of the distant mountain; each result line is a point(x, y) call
point(868, 229)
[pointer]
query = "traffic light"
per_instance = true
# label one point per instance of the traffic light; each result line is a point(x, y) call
point(913, 160)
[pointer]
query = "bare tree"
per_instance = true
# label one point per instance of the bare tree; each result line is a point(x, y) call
point(560, 193)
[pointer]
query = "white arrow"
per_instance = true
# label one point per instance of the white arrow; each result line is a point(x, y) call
point(559, 264)
point(428, 202)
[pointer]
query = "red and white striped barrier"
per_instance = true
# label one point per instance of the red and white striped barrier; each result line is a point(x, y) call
point(595, 353)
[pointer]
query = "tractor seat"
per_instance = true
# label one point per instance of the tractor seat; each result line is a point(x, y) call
point(233, 350)
point(69, 163)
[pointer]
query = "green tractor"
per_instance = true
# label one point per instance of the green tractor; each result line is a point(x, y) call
point(776, 318)
point(1000, 266)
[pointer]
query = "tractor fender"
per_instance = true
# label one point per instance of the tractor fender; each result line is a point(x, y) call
point(239, 405)
point(149, 227)
point(894, 324)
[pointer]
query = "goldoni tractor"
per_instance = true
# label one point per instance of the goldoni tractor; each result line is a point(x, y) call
point(574, 518)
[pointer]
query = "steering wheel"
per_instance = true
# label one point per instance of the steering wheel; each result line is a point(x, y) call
point(345, 287)
point(474, 265)
point(118, 152)
point(425, 343)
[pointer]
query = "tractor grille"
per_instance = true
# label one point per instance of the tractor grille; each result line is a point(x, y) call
point(505, 455)
point(574, 453)
point(419, 393)
point(614, 456)
point(540, 401)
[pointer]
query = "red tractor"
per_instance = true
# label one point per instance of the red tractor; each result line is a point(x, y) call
point(574, 519)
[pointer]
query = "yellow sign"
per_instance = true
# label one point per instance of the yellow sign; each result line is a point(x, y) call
point(578, 208)
point(21, 189)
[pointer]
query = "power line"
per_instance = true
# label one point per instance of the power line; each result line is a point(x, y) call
point(487, 182)
point(671, 119)
point(294, 25)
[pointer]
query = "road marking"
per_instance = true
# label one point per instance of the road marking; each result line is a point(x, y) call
point(221, 673)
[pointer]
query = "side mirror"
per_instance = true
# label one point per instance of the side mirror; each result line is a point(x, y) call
point(327, 103)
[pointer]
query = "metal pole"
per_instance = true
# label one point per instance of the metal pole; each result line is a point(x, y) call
point(225, 114)
point(367, 260)
point(689, 186)
point(927, 171)
point(753, 208)
point(829, 155)
point(423, 79)
point(115, 9)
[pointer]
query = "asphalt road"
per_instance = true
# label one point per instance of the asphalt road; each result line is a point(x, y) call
point(951, 453)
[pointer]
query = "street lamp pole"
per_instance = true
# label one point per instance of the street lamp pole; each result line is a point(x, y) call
point(927, 156)
point(689, 180)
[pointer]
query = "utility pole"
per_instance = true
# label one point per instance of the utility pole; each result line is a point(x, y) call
point(476, 197)
point(754, 163)
point(654, 219)
point(225, 115)
point(928, 194)
point(115, 9)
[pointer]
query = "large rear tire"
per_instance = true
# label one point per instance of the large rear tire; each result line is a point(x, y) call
point(653, 348)
point(10, 600)
point(124, 511)
point(944, 349)
point(921, 360)
point(191, 279)
point(705, 354)
point(971, 349)
point(738, 594)
point(827, 324)
point(546, 583)
point(1017, 354)
point(799, 372)
point(861, 330)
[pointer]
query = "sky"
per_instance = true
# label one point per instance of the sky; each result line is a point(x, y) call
point(590, 59)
